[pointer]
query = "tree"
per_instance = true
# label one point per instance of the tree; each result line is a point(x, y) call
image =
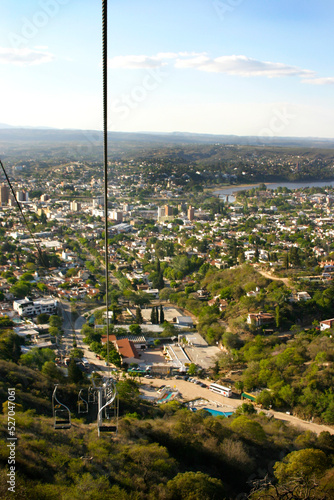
point(74, 373)
point(195, 486)
point(162, 315)
point(158, 281)
point(55, 332)
point(248, 428)
point(77, 353)
point(51, 370)
point(192, 369)
point(27, 277)
point(256, 255)
point(10, 347)
point(20, 289)
point(36, 358)
point(277, 316)
point(42, 319)
point(154, 319)
point(302, 467)
point(139, 317)
point(135, 329)
point(56, 321)
point(5, 322)
point(241, 257)
point(239, 385)
point(265, 398)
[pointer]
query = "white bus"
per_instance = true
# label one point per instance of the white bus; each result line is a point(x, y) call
point(220, 389)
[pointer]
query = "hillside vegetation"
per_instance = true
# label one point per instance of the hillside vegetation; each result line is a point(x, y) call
point(158, 453)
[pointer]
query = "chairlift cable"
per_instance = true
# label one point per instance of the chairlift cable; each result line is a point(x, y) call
point(105, 152)
point(23, 216)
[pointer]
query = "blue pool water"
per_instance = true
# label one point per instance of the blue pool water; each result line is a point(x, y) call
point(167, 396)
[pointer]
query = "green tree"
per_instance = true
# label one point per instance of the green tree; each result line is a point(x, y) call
point(51, 370)
point(55, 332)
point(195, 486)
point(192, 369)
point(277, 316)
point(10, 347)
point(36, 358)
point(162, 315)
point(302, 467)
point(248, 428)
point(135, 329)
point(154, 319)
point(56, 321)
point(27, 277)
point(139, 317)
point(42, 319)
point(74, 373)
point(20, 289)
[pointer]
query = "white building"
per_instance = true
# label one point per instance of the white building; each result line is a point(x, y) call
point(26, 307)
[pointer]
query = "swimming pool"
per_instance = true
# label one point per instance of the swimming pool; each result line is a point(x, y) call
point(167, 396)
point(215, 413)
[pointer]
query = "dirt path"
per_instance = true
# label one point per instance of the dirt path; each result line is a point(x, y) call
point(286, 281)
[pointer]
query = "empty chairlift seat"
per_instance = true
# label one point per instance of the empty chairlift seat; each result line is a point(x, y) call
point(61, 413)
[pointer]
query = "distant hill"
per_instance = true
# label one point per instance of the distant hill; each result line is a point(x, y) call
point(48, 135)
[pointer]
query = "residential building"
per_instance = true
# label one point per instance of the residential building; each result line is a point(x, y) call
point(27, 307)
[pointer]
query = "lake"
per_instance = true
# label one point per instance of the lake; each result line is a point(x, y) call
point(228, 191)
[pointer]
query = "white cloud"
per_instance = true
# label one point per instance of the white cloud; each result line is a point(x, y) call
point(142, 61)
point(320, 81)
point(242, 66)
point(135, 62)
point(238, 65)
point(24, 57)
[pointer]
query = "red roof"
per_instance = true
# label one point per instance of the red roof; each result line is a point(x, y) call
point(112, 338)
point(126, 349)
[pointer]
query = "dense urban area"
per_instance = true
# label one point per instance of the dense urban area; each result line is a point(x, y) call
point(212, 279)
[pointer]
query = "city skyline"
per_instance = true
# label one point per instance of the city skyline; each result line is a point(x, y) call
point(216, 67)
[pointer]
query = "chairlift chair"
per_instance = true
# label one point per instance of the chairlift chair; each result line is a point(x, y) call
point(82, 403)
point(92, 395)
point(61, 413)
point(109, 410)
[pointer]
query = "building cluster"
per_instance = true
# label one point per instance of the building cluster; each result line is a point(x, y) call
point(259, 228)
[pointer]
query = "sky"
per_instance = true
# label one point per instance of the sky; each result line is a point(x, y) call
point(241, 67)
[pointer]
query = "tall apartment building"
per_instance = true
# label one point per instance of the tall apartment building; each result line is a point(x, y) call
point(168, 211)
point(4, 194)
point(75, 206)
point(191, 213)
point(116, 215)
point(22, 196)
point(161, 212)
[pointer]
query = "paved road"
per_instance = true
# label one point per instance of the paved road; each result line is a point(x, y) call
point(97, 364)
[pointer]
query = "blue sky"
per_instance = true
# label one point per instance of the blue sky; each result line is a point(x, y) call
point(244, 67)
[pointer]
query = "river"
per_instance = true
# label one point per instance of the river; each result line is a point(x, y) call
point(228, 191)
